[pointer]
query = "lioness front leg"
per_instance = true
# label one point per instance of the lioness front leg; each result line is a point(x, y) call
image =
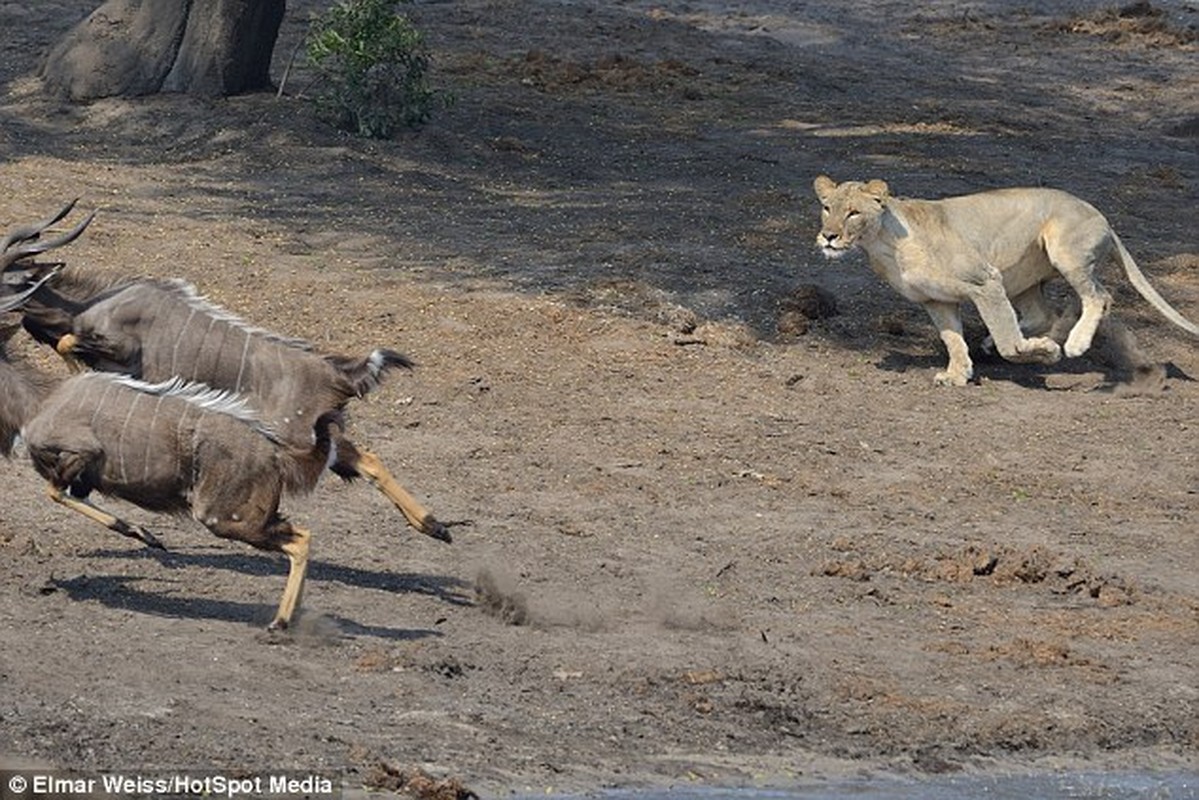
point(948, 319)
point(1000, 318)
point(1036, 317)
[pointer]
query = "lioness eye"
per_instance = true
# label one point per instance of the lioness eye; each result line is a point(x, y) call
point(852, 213)
point(826, 209)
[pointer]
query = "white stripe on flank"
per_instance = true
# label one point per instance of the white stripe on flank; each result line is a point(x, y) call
point(241, 369)
point(179, 437)
point(200, 347)
point(99, 405)
point(150, 441)
point(83, 403)
point(179, 340)
point(121, 439)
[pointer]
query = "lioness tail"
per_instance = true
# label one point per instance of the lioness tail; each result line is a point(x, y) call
point(1142, 285)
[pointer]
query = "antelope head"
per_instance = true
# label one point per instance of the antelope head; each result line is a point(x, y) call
point(25, 241)
point(20, 279)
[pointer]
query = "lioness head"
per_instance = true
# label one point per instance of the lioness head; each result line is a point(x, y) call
point(850, 210)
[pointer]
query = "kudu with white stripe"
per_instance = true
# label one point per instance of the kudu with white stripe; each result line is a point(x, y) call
point(170, 447)
point(155, 330)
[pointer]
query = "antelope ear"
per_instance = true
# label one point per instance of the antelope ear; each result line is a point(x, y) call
point(878, 189)
point(824, 186)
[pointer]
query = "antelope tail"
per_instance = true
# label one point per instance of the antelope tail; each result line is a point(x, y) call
point(365, 374)
point(305, 465)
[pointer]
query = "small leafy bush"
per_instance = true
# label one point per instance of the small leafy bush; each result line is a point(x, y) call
point(371, 64)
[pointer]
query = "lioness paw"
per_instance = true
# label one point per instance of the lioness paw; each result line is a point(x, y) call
point(1041, 350)
point(1078, 342)
point(951, 378)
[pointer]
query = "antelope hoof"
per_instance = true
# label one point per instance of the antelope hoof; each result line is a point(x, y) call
point(432, 528)
point(139, 533)
point(151, 540)
point(278, 625)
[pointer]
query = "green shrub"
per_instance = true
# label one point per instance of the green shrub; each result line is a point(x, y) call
point(371, 67)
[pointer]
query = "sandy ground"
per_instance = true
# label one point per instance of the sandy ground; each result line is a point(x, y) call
point(701, 549)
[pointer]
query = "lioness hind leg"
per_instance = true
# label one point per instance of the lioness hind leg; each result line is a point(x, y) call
point(1095, 304)
point(1075, 258)
point(1064, 323)
point(1037, 317)
point(1000, 318)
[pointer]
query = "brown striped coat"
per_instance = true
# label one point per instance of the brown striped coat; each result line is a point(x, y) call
point(160, 329)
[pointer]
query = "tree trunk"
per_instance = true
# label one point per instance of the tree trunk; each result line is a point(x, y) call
point(137, 47)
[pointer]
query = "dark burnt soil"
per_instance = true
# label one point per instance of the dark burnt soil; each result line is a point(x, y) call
point(712, 540)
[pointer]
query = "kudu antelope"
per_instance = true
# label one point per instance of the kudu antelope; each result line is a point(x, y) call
point(156, 330)
point(168, 447)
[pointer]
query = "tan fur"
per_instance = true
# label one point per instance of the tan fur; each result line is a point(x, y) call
point(995, 249)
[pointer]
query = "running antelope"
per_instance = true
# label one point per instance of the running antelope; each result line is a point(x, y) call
point(167, 447)
point(155, 330)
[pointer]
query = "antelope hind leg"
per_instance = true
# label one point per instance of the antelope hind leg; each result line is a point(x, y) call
point(106, 519)
point(417, 515)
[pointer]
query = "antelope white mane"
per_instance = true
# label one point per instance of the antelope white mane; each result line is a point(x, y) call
point(192, 297)
point(200, 395)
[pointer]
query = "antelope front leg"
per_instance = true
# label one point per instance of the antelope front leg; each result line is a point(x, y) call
point(295, 545)
point(418, 517)
point(109, 521)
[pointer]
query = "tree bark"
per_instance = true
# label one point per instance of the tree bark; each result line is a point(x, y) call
point(138, 47)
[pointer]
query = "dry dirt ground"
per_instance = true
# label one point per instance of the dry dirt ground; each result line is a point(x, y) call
point(701, 550)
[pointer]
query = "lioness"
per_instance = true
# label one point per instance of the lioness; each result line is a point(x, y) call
point(995, 249)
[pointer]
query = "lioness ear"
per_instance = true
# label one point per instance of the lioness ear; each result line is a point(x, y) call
point(824, 186)
point(878, 189)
